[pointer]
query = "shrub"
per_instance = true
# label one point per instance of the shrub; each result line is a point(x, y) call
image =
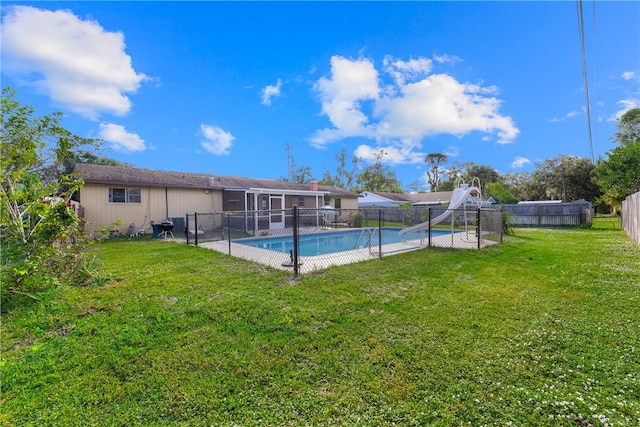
point(507, 222)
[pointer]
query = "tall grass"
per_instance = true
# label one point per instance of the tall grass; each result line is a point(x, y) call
point(542, 330)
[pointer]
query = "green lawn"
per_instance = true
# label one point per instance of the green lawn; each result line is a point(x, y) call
point(542, 330)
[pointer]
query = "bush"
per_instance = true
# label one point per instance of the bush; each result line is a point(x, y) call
point(507, 222)
point(43, 244)
point(358, 220)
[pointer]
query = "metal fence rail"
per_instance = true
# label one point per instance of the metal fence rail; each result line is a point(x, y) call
point(304, 240)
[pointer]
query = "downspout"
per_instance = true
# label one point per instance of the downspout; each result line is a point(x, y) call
point(166, 200)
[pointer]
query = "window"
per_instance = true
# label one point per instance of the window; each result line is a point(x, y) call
point(124, 195)
point(300, 201)
point(338, 203)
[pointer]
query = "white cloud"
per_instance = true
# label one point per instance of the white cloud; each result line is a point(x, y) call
point(444, 59)
point(569, 115)
point(75, 62)
point(120, 139)
point(271, 91)
point(393, 153)
point(519, 162)
point(629, 75)
point(216, 140)
point(440, 104)
point(400, 115)
point(351, 83)
point(452, 151)
point(627, 104)
point(406, 70)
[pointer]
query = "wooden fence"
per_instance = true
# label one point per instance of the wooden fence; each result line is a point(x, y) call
point(631, 216)
point(550, 214)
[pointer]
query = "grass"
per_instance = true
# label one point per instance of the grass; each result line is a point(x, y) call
point(542, 330)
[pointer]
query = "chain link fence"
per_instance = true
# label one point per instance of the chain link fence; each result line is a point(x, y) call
point(304, 240)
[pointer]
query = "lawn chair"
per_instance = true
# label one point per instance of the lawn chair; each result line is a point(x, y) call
point(191, 227)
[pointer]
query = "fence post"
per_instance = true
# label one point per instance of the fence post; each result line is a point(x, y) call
point(295, 241)
point(229, 230)
point(478, 228)
point(195, 225)
point(501, 225)
point(429, 228)
point(186, 229)
point(380, 233)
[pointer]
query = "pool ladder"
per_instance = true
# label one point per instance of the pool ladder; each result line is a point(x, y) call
point(370, 230)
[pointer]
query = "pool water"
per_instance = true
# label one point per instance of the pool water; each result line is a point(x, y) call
point(339, 241)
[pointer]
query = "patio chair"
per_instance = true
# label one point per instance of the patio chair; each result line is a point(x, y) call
point(191, 227)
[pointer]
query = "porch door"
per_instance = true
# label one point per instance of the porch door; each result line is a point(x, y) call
point(276, 218)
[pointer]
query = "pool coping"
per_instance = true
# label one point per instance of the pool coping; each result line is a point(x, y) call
point(279, 260)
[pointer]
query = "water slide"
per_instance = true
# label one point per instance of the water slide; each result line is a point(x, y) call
point(459, 196)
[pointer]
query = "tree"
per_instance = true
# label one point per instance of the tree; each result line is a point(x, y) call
point(435, 162)
point(514, 182)
point(486, 174)
point(628, 127)
point(448, 185)
point(619, 175)
point(378, 177)
point(345, 176)
point(43, 242)
point(500, 193)
point(467, 171)
point(416, 187)
point(566, 178)
point(88, 157)
point(302, 175)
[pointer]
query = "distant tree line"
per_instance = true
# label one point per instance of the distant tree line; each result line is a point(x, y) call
point(565, 177)
point(43, 244)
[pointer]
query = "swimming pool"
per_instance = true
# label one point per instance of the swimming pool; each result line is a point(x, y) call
point(335, 241)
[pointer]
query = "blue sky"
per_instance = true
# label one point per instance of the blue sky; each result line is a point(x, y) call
point(222, 88)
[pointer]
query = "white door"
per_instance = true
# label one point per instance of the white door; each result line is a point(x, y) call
point(276, 217)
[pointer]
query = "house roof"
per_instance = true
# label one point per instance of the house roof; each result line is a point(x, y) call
point(414, 198)
point(431, 198)
point(394, 197)
point(127, 176)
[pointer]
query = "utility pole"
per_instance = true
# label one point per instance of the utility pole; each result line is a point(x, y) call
point(564, 187)
point(290, 170)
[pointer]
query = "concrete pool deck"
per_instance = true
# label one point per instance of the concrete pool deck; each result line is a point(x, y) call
point(278, 260)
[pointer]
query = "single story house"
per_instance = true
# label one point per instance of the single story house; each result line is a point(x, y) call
point(379, 199)
point(142, 196)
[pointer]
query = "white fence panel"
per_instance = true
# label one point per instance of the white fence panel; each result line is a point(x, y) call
point(631, 216)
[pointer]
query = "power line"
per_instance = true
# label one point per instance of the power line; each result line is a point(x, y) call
point(584, 73)
point(595, 67)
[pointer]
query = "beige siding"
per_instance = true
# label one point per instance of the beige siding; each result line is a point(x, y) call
point(349, 202)
point(157, 204)
point(309, 201)
point(160, 203)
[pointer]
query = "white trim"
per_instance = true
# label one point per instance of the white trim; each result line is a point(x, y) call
point(287, 192)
